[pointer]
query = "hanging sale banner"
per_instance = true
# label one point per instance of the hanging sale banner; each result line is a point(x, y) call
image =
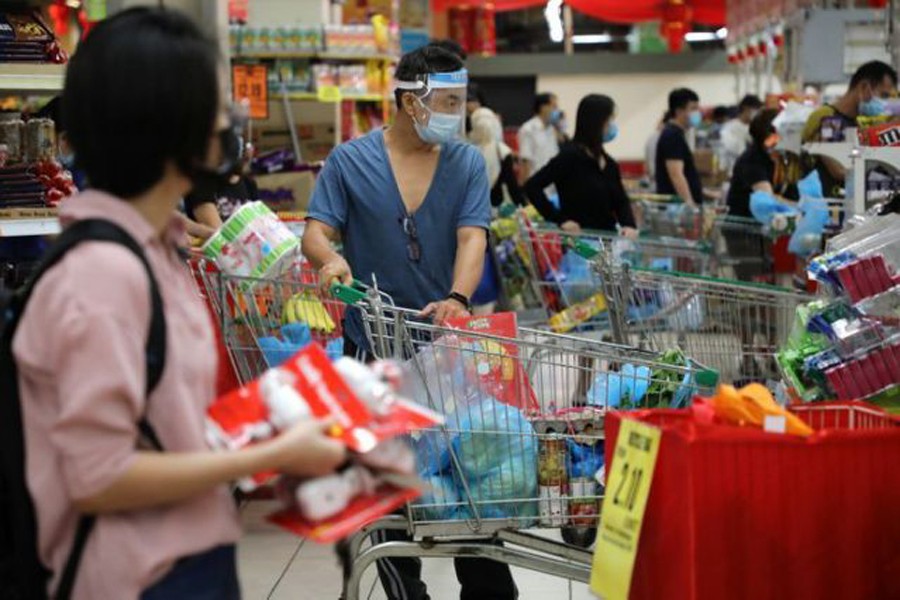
point(251, 85)
point(627, 489)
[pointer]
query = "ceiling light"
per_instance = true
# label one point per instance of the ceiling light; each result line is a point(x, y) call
point(554, 20)
point(594, 38)
point(701, 36)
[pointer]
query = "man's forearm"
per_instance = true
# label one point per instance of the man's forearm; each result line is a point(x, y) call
point(469, 262)
point(679, 182)
point(317, 247)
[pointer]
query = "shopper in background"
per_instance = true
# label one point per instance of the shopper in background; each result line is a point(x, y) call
point(498, 157)
point(591, 194)
point(166, 522)
point(411, 205)
point(214, 199)
point(735, 135)
point(870, 85)
point(754, 171)
point(650, 151)
point(539, 137)
point(675, 170)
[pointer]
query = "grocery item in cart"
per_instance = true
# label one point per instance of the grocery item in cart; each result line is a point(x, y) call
point(752, 406)
point(252, 243)
point(488, 448)
point(552, 480)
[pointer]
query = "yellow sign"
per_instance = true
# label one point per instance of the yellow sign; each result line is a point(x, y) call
point(329, 93)
point(627, 488)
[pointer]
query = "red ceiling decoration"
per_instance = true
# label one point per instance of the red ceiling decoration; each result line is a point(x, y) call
point(705, 12)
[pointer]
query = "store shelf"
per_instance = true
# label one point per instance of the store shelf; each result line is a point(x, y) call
point(313, 97)
point(30, 78)
point(28, 227)
point(316, 55)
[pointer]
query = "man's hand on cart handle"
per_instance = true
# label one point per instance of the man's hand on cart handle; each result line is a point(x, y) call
point(571, 227)
point(445, 309)
point(629, 232)
point(335, 269)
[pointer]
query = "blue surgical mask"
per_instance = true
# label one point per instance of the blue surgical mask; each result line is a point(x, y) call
point(556, 116)
point(872, 107)
point(611, 132)
point(695, 118)
point(67, 161)
point(441, 127)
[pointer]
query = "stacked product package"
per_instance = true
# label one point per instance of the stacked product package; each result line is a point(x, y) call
point(846, 345)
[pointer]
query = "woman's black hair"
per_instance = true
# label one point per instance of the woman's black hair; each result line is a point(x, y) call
point(594, 111)
point(761, 126)
point(415, 65)
point(142, 90)
point(540, 101)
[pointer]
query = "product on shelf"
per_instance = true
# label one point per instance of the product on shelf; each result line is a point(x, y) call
point(40, 140)
point(11, 133)
point(24, 37)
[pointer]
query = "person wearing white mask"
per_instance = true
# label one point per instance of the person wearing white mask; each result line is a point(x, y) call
point(539, 136)
point(675, 170)
point(735, 134)
point(410, 204)
point(498, 158)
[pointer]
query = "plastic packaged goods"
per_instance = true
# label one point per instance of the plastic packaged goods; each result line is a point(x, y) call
point(552, 480)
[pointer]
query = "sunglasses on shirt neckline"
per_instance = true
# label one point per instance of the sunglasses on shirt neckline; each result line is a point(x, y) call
point(413, 247)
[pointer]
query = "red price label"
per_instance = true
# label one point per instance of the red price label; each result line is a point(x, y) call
point(251, 85)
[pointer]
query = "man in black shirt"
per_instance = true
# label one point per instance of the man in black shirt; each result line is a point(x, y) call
point(675, 169)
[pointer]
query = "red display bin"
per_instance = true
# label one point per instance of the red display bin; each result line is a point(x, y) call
point(739, 513)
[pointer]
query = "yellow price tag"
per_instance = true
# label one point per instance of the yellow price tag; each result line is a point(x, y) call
point(627, 489)
point(329, 93)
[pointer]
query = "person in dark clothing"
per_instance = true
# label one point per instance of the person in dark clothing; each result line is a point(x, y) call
point(591, 194)
point(675, 170)
point(211, 202)
point(754, 170)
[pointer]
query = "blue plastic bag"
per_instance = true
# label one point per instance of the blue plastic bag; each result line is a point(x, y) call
point(611, 389)
point(576, 278)
point(811, 186)
point(807, 237)
point(584, 459)
point(764, 206)
point(496, 448)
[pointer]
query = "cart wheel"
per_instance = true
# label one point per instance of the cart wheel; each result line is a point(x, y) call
point(582, 537)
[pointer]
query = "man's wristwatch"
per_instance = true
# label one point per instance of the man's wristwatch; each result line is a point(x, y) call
point(461, 299)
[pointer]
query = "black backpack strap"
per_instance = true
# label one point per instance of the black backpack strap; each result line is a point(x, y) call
point(98, 230)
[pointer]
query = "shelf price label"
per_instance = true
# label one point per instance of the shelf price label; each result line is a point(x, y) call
point(251, 85)
point(627, 489)
point(329, 93)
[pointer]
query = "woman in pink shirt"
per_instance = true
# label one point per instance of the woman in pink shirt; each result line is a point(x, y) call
point(147, 118)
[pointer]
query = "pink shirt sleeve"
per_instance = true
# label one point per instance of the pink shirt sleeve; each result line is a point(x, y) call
point(98, 361)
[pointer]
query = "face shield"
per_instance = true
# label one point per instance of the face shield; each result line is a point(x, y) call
point(440, 105)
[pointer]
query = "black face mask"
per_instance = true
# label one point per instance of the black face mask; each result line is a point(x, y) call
point(231, 142)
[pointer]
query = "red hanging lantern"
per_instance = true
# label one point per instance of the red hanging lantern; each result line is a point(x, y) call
point(676, 19)
point(763, 45)
point(778, 36)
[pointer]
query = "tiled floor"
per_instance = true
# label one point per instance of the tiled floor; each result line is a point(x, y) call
point(274, 564)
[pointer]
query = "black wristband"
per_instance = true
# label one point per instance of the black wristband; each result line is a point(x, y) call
point(461, 299)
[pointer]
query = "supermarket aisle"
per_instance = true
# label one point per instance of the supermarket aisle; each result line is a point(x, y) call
point(279, 566)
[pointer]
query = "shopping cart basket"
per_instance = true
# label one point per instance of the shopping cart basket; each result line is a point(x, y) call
point(676, 219)
point(522, 440)
point(561, 268)
point(733, 327)
point(737, 512)
point(265, 321)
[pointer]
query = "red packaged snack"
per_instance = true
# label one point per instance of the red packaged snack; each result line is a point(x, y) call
point(885, 134)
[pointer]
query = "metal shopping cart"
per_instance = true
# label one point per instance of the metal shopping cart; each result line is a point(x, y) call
point(560, 262)
point(265, 321)
point(675, 219)
point(521, 414)
point(734, 327)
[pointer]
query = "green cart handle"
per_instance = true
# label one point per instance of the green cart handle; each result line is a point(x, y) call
point(349, 294)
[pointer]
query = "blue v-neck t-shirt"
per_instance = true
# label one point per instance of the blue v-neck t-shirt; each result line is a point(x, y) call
point(357, 194)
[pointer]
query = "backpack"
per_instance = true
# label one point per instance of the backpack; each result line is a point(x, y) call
point(22, 575)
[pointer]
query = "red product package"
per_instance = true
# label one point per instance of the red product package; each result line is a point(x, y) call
point(861, 278)
point(879, 274)
point(885, 134)
point(837, 383)
point(846, 276)
point(361, 511)
point(499, 370)
point(881, 369)
point(860, 385)
point(895, 369)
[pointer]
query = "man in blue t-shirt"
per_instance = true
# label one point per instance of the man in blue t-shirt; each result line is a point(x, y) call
point(411, 205)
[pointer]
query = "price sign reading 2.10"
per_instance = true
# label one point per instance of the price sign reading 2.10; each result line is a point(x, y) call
point(251, 85)
point(627, 490)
